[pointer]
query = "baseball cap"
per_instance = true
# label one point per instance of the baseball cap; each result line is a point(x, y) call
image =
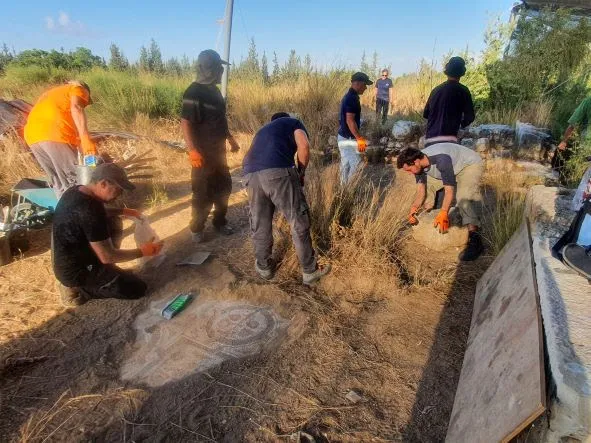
point(361, 77)
point(210, 58)
point(113, 173)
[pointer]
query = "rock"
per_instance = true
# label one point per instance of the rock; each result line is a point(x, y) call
point(527, 135)
point(482, 144)
point(502, 153)
point(503, 135)
point(399, 145)
point(391, 145)
point(353, 397)
point(384, 141)
point(468, 143)
point(422, 142)
point(332, 141)
point(406, 130)
point(425, 234)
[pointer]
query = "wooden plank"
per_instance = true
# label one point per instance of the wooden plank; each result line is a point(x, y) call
point(502, 384)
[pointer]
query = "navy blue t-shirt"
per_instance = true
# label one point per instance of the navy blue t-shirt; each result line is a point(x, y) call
point(349, 104)
point(274, 146)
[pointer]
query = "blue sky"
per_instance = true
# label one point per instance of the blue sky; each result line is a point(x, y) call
point(334, 33)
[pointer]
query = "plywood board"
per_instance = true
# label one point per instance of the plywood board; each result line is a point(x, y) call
point(501, 388)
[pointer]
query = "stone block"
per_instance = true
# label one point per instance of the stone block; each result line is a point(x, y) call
point(482, 144)
point(425, 234)
point(468, 143)
point(332, 141)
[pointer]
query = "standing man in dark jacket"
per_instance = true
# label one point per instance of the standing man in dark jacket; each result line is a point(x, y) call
point(449, 107)
point(383, 95)
point(205, 129)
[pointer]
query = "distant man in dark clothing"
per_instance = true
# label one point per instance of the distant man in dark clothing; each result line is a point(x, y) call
point(275, 182)
point(349, 139)
point(205, 130)
point(383, 95)
point(459, 170)
point(449, 107)
point(82, 245)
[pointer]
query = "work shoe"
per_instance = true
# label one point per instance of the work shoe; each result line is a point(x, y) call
point(71, 297)
point(197, 237)
point(474, 247)
point(266, 274)
point(224, 230)
point(321, 271)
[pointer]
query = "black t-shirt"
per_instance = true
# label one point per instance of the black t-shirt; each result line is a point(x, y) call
point(78, 220)
point(274, 146)
point(349, 105)
point(205, 108)
point(449, 107)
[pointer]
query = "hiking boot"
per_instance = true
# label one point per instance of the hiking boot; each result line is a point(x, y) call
point(197, 237)
point(224, 230)
point(321, 271)
point(71, 297)
point(266, 274)
point(474, 247)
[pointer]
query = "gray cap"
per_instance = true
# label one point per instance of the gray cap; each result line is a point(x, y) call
point(113, 173)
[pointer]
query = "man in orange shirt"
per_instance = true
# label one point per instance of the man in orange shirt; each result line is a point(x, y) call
point(55, 128)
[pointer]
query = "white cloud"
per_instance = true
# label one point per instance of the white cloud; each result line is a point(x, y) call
point(65, 25)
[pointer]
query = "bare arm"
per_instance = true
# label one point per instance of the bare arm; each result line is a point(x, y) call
point(108, 254)
point(79, 116)
point(188, 136)
point(420, 195)
point(303, 152)
point(567, 135)
point(448, 197)
point(352, 124)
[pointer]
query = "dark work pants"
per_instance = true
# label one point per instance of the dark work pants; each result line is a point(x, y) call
point(279, 188)
point(382, 107)
point(212, 186)
point(109, 281)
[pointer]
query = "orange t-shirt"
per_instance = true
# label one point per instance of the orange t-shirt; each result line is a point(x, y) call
point(51, 118)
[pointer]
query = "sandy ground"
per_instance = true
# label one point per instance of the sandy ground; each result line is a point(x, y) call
point(112, 370)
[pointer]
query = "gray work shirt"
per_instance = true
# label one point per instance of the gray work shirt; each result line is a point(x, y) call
point(447, 160)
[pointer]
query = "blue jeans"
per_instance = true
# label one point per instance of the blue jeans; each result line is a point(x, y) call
point(350, 157)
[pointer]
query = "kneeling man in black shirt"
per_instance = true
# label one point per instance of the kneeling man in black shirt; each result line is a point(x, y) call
point(83, 251)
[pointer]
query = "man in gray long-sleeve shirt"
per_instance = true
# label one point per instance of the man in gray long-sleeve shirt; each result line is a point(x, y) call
point(459, 170)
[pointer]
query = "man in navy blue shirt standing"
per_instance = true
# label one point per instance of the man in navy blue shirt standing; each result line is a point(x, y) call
point(383, 95)
point(449, 107)
point(273, 181)
point(350, 141)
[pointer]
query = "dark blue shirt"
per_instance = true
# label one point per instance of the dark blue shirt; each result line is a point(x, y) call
point(274, 146)
point(448, 109)
point(383, 86)
point(349, 104)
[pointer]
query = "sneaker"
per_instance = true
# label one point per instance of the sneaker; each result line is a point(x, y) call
point(224, 230)
point(71, 297)
point(197, 237)
point(266, 274)
point(313, 277)
point(474, 247)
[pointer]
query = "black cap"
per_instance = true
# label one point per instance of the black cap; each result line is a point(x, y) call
point(455, 67)
point(361, 77)
point(209, 58)
point(113, 173)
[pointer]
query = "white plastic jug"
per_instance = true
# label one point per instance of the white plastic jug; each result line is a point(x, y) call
point(144, 233)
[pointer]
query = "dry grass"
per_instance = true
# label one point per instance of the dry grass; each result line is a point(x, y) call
point(16, 162)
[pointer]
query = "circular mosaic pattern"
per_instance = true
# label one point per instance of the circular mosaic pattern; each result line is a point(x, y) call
point(240, 325)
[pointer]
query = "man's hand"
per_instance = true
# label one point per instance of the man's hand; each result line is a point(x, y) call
point(441, 222)
point(234, 146)
point(412, 219)
point(361, 144)
point(133, 213)
point(562, 146)
point(195, 158)
point(150, 249)
point(88, 146)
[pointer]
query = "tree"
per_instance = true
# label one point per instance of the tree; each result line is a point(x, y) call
point(308, 64)
point(293, 67)
point(374, 69)
point(155, 58)
point(265, 69)
point(251, 65)
point(144, 61)
point(276, 69)
point(117, 62)
point(363, 66)
point(174, 67)
point(6, 57)
point(185, 64)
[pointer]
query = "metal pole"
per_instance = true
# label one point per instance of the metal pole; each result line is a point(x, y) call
point(228, 23)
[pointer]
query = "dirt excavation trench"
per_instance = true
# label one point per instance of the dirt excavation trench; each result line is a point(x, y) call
point(352, 359)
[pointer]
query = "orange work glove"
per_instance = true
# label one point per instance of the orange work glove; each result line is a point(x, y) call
point(361, 144)
point(88, 146)
point(441, 222)
point(412, 219)
point(128, 212)
point(195, 158)
point(149, 249)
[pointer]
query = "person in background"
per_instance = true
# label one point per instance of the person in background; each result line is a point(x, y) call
point(349, 139)
point(459, 170)
point(83, 250)
point(205, 130)
point(581, 119)
point(56, 129)
point(449, 107)
point(275, 180)
point(383, 95)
